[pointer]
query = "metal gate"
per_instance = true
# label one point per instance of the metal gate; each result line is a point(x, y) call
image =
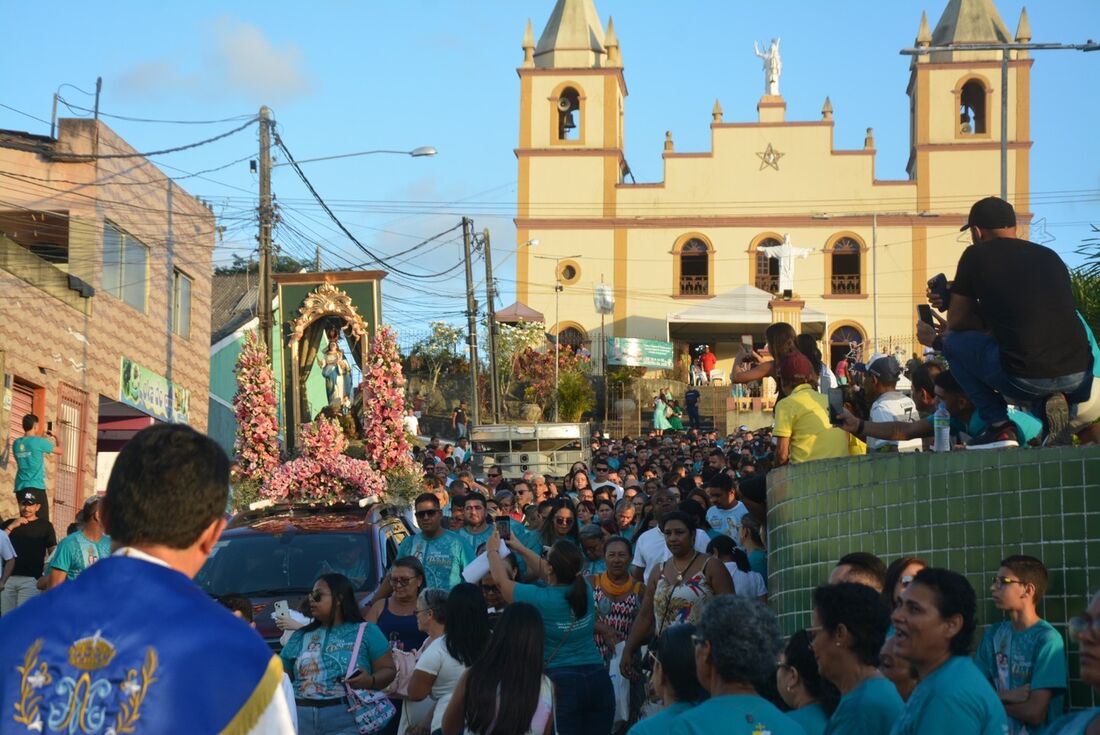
point(71, 435)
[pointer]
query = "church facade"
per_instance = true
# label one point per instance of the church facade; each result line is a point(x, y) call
point(773, 222)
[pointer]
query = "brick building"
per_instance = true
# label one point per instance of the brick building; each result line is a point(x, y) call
point(105, 268)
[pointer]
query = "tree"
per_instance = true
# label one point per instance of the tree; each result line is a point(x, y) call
point(279, 264)
point(384, 438)
point(438, 352)
point(257, 443)
point(537, 370)
point(512, 341)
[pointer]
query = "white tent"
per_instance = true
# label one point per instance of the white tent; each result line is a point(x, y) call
point(743, 310)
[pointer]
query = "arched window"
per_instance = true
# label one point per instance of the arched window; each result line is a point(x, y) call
point(569, 112)
point(572, 337)
point(845, 342)
point(767, 268)
point(972, 112)
point(694, 267)
point(846, 260)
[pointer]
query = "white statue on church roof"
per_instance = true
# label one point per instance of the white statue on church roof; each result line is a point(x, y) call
point(785, 254)
point(772, 66)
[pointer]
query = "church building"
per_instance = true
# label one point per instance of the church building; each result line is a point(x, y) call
point(773, 222)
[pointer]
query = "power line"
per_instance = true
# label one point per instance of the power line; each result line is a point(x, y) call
point(73, 106)
point(100, 156)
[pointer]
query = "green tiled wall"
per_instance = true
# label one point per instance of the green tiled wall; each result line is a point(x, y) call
point(964, 510)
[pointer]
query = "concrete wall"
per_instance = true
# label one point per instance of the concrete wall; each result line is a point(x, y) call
point(964, 510)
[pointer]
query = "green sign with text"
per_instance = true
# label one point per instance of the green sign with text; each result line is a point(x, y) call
point(153, 394)
point(633, 352)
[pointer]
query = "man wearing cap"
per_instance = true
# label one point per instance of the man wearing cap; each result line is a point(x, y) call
point(880, 383)
point(802, 425)
point(1012, 330)
point(32, 538)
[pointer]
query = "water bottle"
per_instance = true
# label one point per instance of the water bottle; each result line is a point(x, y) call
point(941, 424)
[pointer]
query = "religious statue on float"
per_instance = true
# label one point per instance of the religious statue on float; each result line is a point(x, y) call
point(336, 371)
point(772, 66)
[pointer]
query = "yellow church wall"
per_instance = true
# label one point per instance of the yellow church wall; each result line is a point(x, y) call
point(566, 187)
point(945, 82)
point(593, 90)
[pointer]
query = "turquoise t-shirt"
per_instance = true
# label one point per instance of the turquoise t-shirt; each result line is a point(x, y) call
point(1035, 656)
point(569, 640)
point(1028, 426)
point(1092, 346)
point(443, 557)
point(735, 714)
point(659, 723)
point(872, 707)
point(76, 552)
point(476, 539)
point(955, 699)
point(812, 718)
point(758, 562)
point(1075, 723)
point(316, 659)
point(31, 469)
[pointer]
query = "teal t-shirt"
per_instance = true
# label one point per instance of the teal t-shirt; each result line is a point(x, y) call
point(1035, 657)
point(1075, 723)
point(476, 539)
point(1028, 426)
point(812, 718)
point(569, 640)
point(872, 707)
point(955, 699)
point(316, 659)
point(659, 723)
point(30, 467)
point(758, 562)
point(1092, 346)
point(443, 557)
point(735, 714)
point(76, 552)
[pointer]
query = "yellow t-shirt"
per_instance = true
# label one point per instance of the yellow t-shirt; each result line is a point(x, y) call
point(804, 417)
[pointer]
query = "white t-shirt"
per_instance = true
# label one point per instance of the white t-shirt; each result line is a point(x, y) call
point(650, 549)
point(746, 584)
point(447, 669)
point(7, 551)
point(411, 425)
point(727, 521)
point(890, 407)
point(618, 491)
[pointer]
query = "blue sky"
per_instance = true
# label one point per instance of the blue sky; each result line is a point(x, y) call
point(351, 76)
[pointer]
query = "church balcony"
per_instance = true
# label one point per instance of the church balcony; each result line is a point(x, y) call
point(768, 283)
point(694, 285)
point(846, 285)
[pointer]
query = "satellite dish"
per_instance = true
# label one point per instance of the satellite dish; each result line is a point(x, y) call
point(604, 299)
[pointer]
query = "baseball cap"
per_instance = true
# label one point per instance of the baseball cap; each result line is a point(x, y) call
point(991, 213)
point(28, 499)
point(883, 367)
point(796, 365)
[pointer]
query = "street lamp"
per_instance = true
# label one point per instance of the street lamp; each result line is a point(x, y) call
point(558, 288)
point(874, 254)
point(424, 150)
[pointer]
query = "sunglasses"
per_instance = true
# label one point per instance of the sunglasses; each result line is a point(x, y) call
point(1082, 625)
point(317, 595)
point(491, 589)
point(426, 513)
point(401, 581)
point(494, 474)
point(564, 520)
point(999, 581)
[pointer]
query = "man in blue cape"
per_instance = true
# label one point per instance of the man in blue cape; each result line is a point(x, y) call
point(132, 645)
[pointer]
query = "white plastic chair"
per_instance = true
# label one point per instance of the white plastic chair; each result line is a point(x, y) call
point(716, 375)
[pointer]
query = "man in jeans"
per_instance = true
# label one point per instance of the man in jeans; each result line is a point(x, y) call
point(1012, 329)
point(32, 538)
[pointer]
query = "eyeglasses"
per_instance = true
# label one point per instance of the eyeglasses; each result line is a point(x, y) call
point(602, 469)
point(494, 474)
point(1005, 581)
point(421, 610)
point(426, 513)
point(1083, 625)
point(697, 639)
point(490, 589)
point(401, 581)
point(906, 580)
point(564, 520)
point(317, 595)
point(812, 632)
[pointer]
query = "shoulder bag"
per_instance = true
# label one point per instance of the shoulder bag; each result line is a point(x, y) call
point(371, 708)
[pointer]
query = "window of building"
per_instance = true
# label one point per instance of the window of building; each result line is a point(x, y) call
point(181, 305)
point(972, 117)
point(846, 259)
point(694, 267)
point(572, 337)
point(125, 267)
point(767, 268)
point(846, 342)
point(569, 114)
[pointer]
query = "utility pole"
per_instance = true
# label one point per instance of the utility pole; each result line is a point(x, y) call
point(317, 260)
point(471, 319)
point(491, 311)
point(263, 309)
